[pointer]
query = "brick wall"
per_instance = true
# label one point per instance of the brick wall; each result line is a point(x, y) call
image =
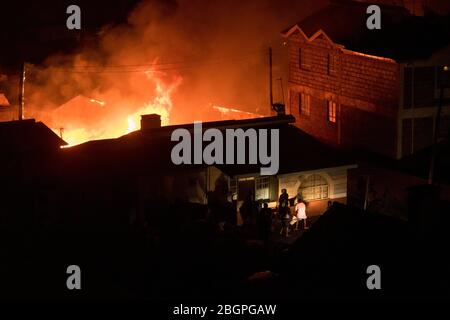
point(365, 88)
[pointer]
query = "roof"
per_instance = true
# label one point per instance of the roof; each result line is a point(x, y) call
point(418, 164)
point(82, 112)
point(298, 152)
point(27, 135)
point(340, 246)
point(3, 100)
point(223, 124)
point(402, 37)
point(150, 149)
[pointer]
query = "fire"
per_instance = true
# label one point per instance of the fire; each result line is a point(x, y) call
point(102, 103)
point(76, 128)
point(161, 104)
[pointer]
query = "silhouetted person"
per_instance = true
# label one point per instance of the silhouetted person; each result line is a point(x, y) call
point(265, 223)
point(246, 210)
point(283, 211)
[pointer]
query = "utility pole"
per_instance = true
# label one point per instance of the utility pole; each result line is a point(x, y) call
point(278, 107)
point(282, 90)
point(412, 106)
point(270, 79)
point(22, 91)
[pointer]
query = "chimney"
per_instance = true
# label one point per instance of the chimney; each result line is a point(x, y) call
point(150, 121)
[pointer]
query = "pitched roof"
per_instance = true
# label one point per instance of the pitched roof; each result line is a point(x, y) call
point(149, 150)
point(82, 112)
point(402, 37)
point(298, 152)
point(3, 100)
point(27, 136)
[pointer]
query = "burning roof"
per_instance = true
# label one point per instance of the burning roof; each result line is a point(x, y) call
point(3, 100)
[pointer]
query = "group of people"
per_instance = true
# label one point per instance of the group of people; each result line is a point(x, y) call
point(266, 218)
point(286, 217)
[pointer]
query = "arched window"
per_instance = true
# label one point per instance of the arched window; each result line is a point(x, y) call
point(314, 187)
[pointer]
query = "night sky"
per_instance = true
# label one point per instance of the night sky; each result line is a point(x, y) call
point(21, 22)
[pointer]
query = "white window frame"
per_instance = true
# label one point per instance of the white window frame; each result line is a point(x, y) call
point(262, 188)
point(316, 191)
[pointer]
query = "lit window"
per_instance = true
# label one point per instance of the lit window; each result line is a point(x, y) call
point(332, 111)
point(315, 187)
point(304, 102)
point(262, 188)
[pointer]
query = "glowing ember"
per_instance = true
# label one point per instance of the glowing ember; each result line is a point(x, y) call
point(228, 113)
point(102, 103)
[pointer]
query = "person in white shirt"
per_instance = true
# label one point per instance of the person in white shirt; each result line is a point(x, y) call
point(300, 210)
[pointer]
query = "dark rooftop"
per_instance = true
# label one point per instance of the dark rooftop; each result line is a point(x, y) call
point(151, 149)
point(402, 37)
point(27, 135)
point(418, 164)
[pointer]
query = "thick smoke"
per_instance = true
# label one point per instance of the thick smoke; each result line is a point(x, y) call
point(207, 52)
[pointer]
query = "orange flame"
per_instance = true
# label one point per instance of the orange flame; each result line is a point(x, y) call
point(160, 104)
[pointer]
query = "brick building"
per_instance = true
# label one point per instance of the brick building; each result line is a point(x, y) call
point(371, 89)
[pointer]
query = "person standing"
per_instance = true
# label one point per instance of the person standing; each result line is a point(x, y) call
point(265, 223)
point(283, 211)
point(300, 210)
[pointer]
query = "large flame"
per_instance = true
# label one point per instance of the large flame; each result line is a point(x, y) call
point(67, 124)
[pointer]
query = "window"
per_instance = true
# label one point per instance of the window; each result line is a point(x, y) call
point(331, 111)
point(262, 188)
point(331, 63)
point(303, 62)
point(314, 187)
point(304, 107)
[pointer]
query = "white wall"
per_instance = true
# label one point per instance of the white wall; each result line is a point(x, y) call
point(336, 178)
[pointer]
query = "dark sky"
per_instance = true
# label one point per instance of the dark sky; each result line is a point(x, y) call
point(236, 33)
point(24, 23)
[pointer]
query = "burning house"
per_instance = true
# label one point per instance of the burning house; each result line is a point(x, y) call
point(6, 109)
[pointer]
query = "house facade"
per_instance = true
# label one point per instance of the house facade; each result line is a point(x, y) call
point(316, 187)
point(376, 91)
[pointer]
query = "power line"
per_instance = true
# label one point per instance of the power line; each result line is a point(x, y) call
point(151, 69)
point(159, 66)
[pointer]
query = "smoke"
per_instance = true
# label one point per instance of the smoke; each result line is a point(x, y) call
point(204, 52)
